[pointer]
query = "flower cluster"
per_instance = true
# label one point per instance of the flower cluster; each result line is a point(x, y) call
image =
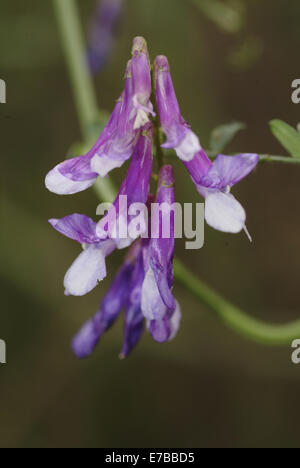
point(143, 288)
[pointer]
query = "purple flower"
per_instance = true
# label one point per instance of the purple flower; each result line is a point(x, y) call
point(133, 317)
point(124, 293)
point(133, 114)
point(141, 77)
point(165, 329)
point(179, 135)
point(134, 189)
point(117, 141)
point(88, 337)
point(89, 268)
point(214, 182)
point(101, 32)
point(158, 303)
point(143, 287)
point(76, 174)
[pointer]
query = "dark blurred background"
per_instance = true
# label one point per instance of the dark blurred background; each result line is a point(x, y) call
point(209, 387)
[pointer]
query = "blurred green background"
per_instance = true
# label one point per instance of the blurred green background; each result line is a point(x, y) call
point(209, 387)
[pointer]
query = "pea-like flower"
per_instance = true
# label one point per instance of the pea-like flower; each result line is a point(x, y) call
point(117, 141)
point(90, 267)
point(180, 137)
point(134, 190)
point(213, 180)
point(123, 295)
point(143, 287)
point(158, 303)
point(127, 292)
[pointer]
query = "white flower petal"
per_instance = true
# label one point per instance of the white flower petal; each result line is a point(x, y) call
point(175, 321)
point(141, 119)
point(85, 273)
point(224, 213)
point(153, 306)
point(61, 185)
point(188, 147)
point(103, 165)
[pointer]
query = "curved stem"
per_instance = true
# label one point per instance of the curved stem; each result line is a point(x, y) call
point(278, 159)
point(236, 319)
point(157, 127)
point(73, 44)
point(267, 158)
point(68, 19)
point(263, 158)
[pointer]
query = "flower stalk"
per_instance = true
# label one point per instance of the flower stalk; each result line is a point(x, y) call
point(86, 104)
point(83, 91)
point(236, 319)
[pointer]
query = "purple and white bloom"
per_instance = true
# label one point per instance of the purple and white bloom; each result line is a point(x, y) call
point(90, 267)
point(141, 77)
point(124, 293)
point(134, 190)
point(88, 337)
point(214, 182)
point(76, 174)
point(180, 137)
point(158, 303)
point(117, 141)
point(133, 316)
point(134, 113)
point(102, 31)
point(165, 329)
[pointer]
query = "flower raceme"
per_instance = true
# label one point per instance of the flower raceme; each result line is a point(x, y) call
point(143, 288)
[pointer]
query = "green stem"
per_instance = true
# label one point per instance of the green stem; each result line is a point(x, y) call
point(157, 142)
point(236, 319)
point(160, 157)
point(267, 158)
point(263, 158)
point(278, 159)
point(73, 44)
point(68, 19)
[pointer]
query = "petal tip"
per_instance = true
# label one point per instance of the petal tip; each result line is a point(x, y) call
point(53, 222)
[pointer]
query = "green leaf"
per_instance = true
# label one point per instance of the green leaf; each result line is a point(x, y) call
point(298, 127)
point(224, 134)
point(287, 136)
